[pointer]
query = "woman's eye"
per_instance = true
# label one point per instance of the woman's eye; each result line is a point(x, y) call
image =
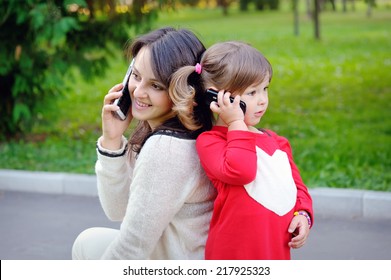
point(135, 76)
point(157, 87)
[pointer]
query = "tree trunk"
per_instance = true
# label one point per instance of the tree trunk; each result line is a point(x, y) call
point(369, 10)
point(316, 19)
point(344, 8)
point(309, 10)
point(296, 17)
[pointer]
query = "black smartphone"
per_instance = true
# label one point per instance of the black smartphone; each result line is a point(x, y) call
point(124, 101)
point(211, 95)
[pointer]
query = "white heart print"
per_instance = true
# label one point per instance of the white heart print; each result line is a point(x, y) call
point(273, 186)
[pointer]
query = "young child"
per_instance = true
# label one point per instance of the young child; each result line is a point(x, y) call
point(263, 207)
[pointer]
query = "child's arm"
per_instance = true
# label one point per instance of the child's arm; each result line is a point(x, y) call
point(300, 229)
point(229, 157)
point(304, 200)
point(302, 220)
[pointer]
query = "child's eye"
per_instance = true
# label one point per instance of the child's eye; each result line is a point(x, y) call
point(251, 93)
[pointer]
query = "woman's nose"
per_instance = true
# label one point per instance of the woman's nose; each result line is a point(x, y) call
point(139, 90)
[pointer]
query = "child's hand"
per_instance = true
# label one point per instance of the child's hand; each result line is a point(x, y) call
point(229, 113)
point(300, 230)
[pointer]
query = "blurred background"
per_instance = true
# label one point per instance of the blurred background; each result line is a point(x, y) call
point(330, 94)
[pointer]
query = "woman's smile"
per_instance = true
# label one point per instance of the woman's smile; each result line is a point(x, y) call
point(140, 105)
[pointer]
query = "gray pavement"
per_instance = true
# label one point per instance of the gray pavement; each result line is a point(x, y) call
point(42, 213)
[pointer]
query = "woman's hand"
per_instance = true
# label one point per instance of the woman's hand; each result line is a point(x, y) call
point(112, 127)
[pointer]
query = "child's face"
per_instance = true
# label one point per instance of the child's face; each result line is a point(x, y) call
point(257, 100)
point(150, 99)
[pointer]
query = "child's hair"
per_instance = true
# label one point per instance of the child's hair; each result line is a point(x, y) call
point(171, 49)
point(232, 66)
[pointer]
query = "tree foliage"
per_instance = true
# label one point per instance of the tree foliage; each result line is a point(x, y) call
point(41, 40)
point(259, 4)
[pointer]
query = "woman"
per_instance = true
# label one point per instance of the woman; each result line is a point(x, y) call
point(154, 183)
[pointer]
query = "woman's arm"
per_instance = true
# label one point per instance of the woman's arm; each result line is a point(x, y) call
point(114, 173)
point(164, 177)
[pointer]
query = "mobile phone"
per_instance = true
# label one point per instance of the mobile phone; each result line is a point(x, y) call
point(124, 101)
point(211, 95)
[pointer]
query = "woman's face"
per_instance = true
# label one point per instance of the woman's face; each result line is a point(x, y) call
point(150, 99)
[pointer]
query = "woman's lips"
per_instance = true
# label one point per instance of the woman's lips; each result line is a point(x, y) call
point(141, 105)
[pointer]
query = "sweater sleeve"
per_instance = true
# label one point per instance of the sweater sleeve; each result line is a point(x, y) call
point(113, 180)
point(230, 158)
point(303, 200)
point(163, 179)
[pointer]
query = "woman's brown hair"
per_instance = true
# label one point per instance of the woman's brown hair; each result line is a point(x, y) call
point(171, 49)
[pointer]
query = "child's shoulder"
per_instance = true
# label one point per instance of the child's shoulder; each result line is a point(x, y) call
point(279, 138)
point(219, 132)
point(269, 132)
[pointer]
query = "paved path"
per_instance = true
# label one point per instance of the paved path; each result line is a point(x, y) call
point(43, 226)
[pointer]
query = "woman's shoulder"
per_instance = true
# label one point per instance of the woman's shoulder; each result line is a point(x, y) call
point(168, 150)
point(185, 135)
point(170, 142)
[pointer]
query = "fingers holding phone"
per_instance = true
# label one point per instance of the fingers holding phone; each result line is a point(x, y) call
point(212, 97)
point(114, 93)
point(115, 112)
point(112, 127)
point(124, 102)
point(109, 105)
point(231, 110)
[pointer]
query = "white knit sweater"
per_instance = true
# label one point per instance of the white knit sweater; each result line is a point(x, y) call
point(163, 199)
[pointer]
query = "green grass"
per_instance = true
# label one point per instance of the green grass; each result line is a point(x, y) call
point(331, 98)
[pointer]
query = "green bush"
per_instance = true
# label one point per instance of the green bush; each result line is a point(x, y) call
point(41, 40)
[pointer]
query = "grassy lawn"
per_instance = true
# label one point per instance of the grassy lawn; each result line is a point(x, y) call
point(331, 98)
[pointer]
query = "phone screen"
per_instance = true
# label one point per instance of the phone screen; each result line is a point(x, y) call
point(124, 101)
point(211, 95)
